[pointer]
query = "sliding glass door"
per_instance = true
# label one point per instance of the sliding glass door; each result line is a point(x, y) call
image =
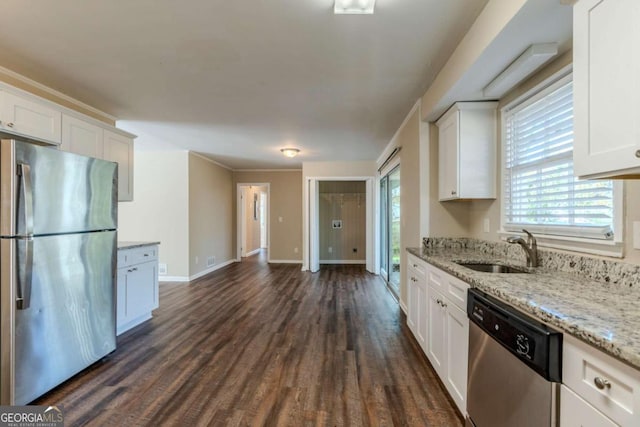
point(390, 229)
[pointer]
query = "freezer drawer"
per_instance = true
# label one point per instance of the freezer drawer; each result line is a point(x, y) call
point(68, 322)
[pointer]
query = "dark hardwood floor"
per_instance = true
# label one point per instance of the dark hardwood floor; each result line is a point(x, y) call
point(259, 344)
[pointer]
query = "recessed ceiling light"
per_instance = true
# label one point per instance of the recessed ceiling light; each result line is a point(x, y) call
point(290, 152)
point(358, 7)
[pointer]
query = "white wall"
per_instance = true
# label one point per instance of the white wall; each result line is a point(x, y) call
point(159, 208)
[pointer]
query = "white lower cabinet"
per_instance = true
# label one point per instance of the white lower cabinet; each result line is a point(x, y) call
point(437, 306)
point(417, 300)
point(601, 386)
point(575, 412)
point(137, 289)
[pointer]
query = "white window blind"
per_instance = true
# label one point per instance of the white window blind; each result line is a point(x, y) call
point(540, 190)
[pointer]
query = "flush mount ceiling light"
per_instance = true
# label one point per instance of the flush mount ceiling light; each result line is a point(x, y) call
point(354, 7)
point(290, 152)
point(525, 64)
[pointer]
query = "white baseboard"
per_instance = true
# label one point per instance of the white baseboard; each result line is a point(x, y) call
point(403, 306)
point(253, 252)
point(343, 261)
point(285, 261)
point(173, 278)
point(197, 275)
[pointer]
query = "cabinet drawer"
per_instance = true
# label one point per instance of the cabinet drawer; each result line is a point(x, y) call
point(457, 292)
point(127, 257)
point(436, 279)
point(585, 368)
point(575, 412)
point(417, 264)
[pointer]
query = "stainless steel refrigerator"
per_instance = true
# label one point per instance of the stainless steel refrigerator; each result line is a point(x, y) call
point(58, 214)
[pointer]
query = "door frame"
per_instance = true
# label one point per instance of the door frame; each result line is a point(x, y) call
point(241, 217)
point(310, 232)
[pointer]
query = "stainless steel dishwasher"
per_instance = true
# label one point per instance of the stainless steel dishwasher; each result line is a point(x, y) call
point(514, 366)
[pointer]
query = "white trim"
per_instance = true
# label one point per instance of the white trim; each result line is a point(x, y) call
point(240, 216)
point(540, 87)
point(343, 261)
point(54, 92)
point(210, 160)
point(308, 222)
point(267, 170)
point(285, 261)
point(173, 279)
point(391, 145)
point(253, 252)
point(404, 308)
point(197, 275)
point(575, 244)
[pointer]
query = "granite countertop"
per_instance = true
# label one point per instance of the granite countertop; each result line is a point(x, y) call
point(603, 314)
point(131, 245)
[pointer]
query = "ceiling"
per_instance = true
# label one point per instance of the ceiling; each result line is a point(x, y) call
point(236, 81)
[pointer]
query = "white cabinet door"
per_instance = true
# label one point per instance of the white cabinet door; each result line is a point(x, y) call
point(412, 305)
point(448, 157)
point(575, 412)
point(457, 355)
point(81, 137)
point(606, 74)
point(141, 289)
point(436, 332)
point(119, 149)
point(467, 151)
point(32, 119)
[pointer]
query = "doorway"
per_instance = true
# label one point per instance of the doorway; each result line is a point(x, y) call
point(311, 231)
point(252, 219)
point(390, 229)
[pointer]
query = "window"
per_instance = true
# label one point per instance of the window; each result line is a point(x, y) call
point(540, 192)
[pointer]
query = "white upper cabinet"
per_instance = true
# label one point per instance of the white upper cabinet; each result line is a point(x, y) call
point(118, 148)
point(606, 76)
point(81, 137)
point(467, 151)
point(23, 116)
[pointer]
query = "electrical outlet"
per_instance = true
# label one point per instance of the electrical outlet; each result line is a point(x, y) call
point(280, 219)
point(295, 250)
point(330, 249)
point(636, 234)
point(211, 261)
point(162, 269)
point(197, 260)
point(487, 225)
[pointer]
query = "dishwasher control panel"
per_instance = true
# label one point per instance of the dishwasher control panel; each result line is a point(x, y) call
point(531, 341)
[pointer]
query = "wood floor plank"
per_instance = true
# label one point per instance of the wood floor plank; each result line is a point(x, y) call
point(255, 344)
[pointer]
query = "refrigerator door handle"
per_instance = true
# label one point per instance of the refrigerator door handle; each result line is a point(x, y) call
point(24, 171)
point(23, 297)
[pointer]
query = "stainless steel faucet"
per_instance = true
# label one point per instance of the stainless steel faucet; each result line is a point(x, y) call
point(530, 247)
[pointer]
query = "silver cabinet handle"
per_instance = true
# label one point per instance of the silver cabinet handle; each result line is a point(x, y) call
point(132, 270)
point(10, 125)
point(601, 383)
point(638, 154)
point(453, 192)
point(415, 265)
point(146, 254)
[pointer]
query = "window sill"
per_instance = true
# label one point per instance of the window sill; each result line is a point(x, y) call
point(607, 248)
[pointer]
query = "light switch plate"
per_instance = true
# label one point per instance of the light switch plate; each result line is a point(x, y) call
point(487, 225)
point(636, 234)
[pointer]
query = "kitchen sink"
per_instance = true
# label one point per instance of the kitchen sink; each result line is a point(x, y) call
point(492, 268)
